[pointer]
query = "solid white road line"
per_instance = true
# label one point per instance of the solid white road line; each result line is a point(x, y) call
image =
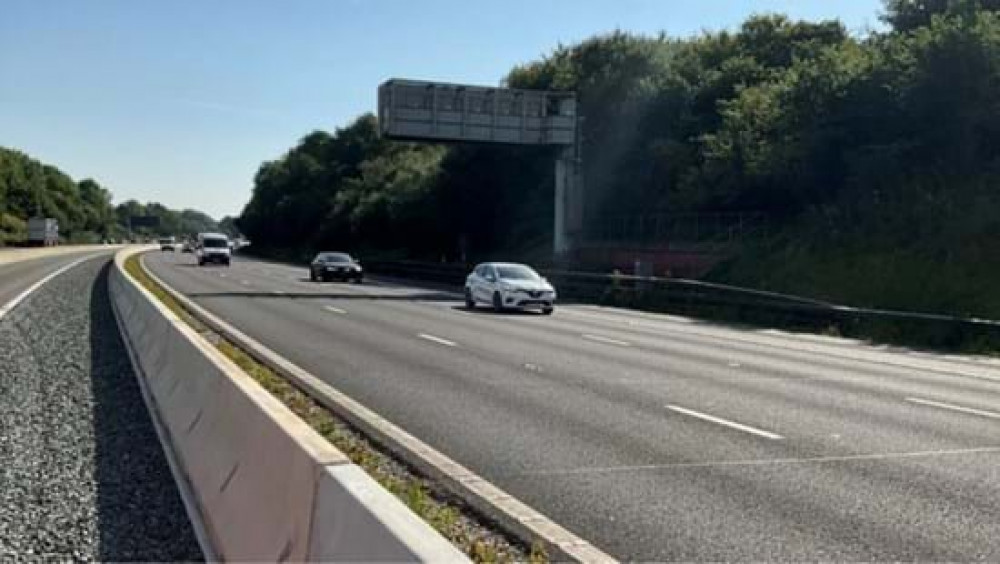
point(278, 292)
point(607, 340)
point(245, 282)
point(969, 410)
point(6, 308)
point(335, 310)
point(437, 340)
point(726, 423)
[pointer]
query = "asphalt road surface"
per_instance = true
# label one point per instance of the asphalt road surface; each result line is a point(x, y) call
point(654, 437)
point(18, 276)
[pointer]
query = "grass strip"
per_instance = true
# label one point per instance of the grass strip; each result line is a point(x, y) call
point(445, 514)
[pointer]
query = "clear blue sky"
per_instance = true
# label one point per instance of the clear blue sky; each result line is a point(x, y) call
point(179, 101)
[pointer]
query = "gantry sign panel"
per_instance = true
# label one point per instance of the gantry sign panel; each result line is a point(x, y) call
point(417, 110)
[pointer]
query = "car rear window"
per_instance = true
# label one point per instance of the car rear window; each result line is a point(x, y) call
point(516, 272)
point(334, 257)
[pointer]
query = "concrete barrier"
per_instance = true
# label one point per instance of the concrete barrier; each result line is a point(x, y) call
point(262, 484)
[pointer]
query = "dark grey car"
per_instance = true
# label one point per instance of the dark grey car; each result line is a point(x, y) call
point(335, 266)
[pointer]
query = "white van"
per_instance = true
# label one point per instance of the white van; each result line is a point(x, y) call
point(213, 247)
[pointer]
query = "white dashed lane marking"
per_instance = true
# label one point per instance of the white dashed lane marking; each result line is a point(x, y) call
point(725, 423)
point(437, 340)
point(606, 340)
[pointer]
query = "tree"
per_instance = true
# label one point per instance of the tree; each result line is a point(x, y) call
point(909, 15)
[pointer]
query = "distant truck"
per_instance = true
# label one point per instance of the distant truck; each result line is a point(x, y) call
point(43, 232)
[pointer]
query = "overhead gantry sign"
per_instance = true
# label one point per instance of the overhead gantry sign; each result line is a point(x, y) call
point(413, 110)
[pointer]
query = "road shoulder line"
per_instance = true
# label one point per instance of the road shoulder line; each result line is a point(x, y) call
point(9, 306)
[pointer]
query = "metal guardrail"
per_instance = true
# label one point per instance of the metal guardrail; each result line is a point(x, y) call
point(734, 303)
point(718, 229)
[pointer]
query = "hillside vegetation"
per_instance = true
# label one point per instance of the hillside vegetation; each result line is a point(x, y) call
point(84, 209)
point(874, 158)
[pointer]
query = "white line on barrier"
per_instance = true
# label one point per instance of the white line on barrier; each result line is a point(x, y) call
point(607, 340)
point(969, 410)
point(726, 423)
point(335, 310)
point(23, 295)
point(437, 340)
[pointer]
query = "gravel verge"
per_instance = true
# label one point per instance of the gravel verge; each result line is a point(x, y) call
point(82, 476)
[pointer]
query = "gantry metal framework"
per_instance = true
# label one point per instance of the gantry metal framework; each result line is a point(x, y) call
point(414, 110)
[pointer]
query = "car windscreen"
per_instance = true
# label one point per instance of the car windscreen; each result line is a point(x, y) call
point(215, 243)
point(516, 272)
point(333, 257)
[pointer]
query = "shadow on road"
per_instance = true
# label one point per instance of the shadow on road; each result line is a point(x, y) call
point(415, 297)
point(140, 513)
point(483, 310)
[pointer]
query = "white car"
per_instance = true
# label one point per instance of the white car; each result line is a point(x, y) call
point(506, 285)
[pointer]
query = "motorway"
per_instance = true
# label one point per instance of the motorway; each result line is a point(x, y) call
point(16, 277)
point(654, 437)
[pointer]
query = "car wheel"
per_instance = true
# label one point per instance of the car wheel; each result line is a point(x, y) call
point(312, 276)
point(497, 302)
point(469, 302)
point(357, 280)
point(201, 263)
point(547, 310)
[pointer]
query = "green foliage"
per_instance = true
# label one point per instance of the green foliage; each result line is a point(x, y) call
point(28, 188)
point(908, 15)
point(872, 153)
point(227, 225)
point(177, 223)
point(83, 209)
point(345, 189)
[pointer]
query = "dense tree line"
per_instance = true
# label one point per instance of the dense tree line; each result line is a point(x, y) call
point(84, 209)
point(875, 158)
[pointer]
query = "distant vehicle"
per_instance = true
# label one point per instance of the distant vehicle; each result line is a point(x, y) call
point(506, 285)
point(168, 244)
point(43, 232)
point(213, 247)
point(335, 266)
point(187, 247)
